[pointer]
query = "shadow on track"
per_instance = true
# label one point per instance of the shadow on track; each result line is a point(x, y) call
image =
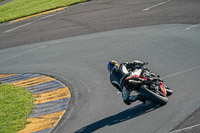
point(120, 117)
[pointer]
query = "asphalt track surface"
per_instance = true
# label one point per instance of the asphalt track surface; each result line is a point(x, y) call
point(99, 15)
point(166, 34)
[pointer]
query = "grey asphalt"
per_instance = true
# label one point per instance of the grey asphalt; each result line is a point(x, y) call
point(99, 15)
point(96, 106)
point(167, 36)
point(189, 125)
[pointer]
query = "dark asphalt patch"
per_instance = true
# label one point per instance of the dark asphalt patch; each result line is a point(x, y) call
point(190, 125)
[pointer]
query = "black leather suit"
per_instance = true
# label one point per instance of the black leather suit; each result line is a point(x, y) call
point(120, 77)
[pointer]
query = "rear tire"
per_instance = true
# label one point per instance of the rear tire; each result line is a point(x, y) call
point(155, 98)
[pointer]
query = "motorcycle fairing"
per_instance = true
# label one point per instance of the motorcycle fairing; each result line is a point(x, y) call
point(162, 87)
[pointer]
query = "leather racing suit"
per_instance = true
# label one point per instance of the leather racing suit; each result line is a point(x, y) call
point(126, 81)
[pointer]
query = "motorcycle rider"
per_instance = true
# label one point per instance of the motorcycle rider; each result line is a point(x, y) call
point(126, 81)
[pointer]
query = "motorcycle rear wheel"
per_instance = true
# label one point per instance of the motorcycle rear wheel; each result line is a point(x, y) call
point(152, 96)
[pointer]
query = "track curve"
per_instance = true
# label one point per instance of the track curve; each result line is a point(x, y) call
point(96, 106)
point(97, 16)
point(169, 42)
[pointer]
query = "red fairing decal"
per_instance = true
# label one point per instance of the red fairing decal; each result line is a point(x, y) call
point(144, 78)
point(162, 87)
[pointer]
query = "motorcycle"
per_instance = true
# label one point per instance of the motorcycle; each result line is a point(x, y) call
point(153, 89)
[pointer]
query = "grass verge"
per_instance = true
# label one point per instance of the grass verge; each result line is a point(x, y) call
point(22, 8)
point(16, 105)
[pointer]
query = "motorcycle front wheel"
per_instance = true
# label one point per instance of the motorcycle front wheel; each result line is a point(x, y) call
point(152, 96)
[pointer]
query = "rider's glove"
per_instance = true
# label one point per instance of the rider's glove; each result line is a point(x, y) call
point(141, 63)
point(145, 63)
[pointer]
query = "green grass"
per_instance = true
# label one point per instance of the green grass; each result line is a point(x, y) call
point(16, 105)
point(21, 8)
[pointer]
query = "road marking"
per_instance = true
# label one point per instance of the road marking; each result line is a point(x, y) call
point(187, 128)
point(49, 16)
point(22, 53)
point(181, 72)
point(21, 26)
point(193, 26)
point(37, 14)
point(52, 95)
point(146, 9)
point(33, 81)
point(18, 27)
point(43, 122)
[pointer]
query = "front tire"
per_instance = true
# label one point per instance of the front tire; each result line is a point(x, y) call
point(150, 95)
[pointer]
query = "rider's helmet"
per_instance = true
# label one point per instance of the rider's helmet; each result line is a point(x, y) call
point(112, 64)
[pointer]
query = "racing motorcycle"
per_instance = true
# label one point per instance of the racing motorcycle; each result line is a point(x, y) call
point(153, 89)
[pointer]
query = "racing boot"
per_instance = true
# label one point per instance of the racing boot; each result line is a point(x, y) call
point(141, 98)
